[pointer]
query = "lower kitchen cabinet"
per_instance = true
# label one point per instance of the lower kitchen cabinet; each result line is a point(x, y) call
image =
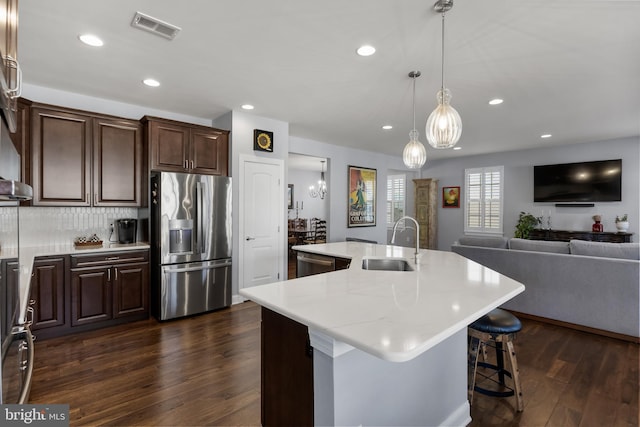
point(48, 293)
point(131, 290)
point(91, 295)
point(89, 291)
point(108, 287)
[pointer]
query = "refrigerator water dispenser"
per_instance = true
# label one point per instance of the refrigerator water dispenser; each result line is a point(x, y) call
point(180, 236)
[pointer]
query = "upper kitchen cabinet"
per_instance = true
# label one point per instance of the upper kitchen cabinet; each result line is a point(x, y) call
point(117, 162)
point(183, 147)
point(80, 159)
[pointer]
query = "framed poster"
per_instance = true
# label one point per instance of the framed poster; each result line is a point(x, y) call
point(290, 196)
point(362, 197)
point(450, 197)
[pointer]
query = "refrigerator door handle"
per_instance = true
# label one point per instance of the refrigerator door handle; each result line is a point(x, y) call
point(199, 248)
point(198, 268)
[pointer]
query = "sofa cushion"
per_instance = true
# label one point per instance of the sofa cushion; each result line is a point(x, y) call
point(539, 246)
point(607, 250)
point(484, 241)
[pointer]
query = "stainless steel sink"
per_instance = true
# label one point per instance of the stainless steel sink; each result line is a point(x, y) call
point(389, 264)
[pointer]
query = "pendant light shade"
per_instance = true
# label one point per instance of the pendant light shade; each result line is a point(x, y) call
point(414, 154)
point(444, 125)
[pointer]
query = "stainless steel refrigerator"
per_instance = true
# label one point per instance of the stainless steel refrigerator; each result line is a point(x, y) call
point(191, 244)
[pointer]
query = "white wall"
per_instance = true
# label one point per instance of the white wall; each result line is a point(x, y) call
point(308, 207)
point(518, 190)
point(242, 125)
point(339, 159)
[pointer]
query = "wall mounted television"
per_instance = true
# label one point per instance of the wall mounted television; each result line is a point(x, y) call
point(599, 181)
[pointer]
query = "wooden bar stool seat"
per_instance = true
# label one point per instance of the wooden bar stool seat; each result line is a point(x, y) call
point(496, 329)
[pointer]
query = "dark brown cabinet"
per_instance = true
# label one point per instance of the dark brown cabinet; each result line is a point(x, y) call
point(130, 290)
point(22, 140)
point(111, 285)
point(91, 295)
point(181, 147)
point(287, 371)
point(84, 160)
point(117, 162)
point(61, 162)
point(81, 292)
point(48, 293)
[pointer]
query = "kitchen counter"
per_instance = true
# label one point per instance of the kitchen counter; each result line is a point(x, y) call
point(29, 253)
point(397, 339)
point(391, 315)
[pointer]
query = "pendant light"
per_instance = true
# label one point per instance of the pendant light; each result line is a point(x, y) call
point(414, 154)
point(444, 125)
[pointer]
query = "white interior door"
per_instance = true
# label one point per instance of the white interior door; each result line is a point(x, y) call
point(262, 198)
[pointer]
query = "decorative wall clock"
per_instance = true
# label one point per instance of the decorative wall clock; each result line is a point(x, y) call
point(262, 140)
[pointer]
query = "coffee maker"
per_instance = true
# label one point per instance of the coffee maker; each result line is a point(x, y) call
point(126, 229)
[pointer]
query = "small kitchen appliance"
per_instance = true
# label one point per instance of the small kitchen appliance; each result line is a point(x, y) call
point(126, 229)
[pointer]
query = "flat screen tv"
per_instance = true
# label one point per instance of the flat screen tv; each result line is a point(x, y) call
point(599, 181)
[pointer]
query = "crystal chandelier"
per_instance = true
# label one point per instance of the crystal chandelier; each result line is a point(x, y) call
point(444, 125)
point(414, 154)
point(322, 186)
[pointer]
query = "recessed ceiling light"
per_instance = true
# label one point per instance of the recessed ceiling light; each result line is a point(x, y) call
point(546, 135)
point(151, 82)
point(91, 40)
point(387, 127)
point(457, 148)
point(496, 101)
point(247, 107)
point(366, 50)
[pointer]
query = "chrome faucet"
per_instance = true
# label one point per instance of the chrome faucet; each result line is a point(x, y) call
point(393, 236)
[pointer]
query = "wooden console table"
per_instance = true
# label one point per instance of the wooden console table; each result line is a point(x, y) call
point(565, 236)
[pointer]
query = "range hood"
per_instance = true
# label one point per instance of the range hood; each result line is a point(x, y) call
point(14, 190)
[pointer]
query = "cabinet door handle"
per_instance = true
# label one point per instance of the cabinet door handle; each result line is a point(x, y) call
point(95, 199)
point(186, 164)
point(191, 164)
point(108, 275)
point(30, 315)
point(115, 273)
point(14, 92)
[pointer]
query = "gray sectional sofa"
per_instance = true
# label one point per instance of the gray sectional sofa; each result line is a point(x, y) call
point(590, 284)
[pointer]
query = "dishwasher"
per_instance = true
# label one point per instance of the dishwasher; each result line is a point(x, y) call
point(310, 264)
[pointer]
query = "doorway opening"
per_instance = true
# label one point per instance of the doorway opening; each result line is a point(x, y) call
point(308, 207)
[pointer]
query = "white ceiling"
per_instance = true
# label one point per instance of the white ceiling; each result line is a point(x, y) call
point(569, 68)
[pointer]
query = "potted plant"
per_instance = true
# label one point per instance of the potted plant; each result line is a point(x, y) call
point(526, 223)
point(622, 223)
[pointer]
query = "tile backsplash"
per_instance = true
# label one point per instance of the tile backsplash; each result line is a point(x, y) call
point(53, 226)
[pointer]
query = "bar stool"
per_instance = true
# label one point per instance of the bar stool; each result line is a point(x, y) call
point(496, 328)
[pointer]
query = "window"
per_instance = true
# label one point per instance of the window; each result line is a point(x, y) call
point(395, 198)
point(483, 200)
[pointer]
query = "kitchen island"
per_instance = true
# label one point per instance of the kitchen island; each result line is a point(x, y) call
point(389, 347)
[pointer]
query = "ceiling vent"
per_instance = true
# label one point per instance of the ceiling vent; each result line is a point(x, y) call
point(155, 26)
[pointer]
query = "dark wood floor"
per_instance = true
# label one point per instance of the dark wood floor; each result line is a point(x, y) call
point(205, 370)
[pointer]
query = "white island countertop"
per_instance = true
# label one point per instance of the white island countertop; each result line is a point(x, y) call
point(393, 315)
